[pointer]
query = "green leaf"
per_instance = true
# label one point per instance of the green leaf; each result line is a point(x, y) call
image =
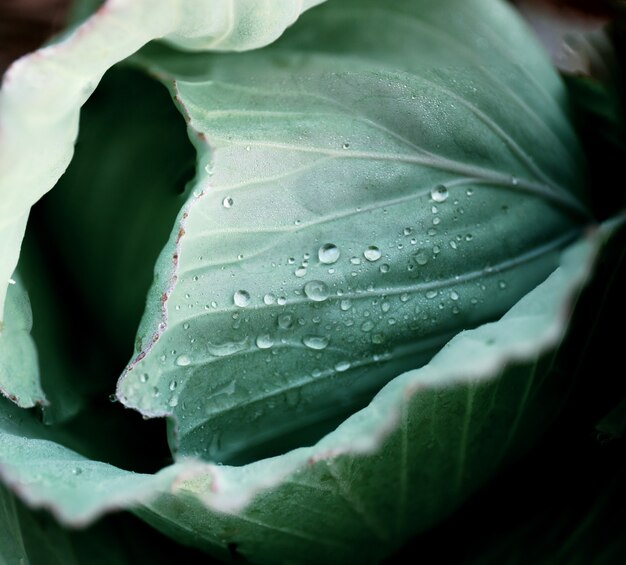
point(444, 429)
point(19, 370)
point(427, 440)
point(11, 542)
point(37, 465)
point(39, 125)
point(357, 203)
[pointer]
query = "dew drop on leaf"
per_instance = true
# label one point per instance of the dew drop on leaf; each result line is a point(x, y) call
point(315, 341)
point(241, 298)
point(316, 290)
point(421, 258)
point(372, 253)
point(439, 193)
point(183, 360)
point(264, 341)
point(285, 321)
point(328, 253)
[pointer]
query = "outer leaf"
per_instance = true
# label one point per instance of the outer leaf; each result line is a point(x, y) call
point(454, 427)
point(429, 438)
point(35, 463)
point(423, 159)
point(41, 94)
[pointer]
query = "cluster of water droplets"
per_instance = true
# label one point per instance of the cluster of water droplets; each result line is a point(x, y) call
point(337, 299)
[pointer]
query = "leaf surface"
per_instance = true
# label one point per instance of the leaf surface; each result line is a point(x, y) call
point(39, 125)
point(427, 440)
point(357, 203)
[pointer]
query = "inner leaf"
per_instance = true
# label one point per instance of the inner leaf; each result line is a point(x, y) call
point(352, 211)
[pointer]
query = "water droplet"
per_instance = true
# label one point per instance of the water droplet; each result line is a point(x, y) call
point(502, 285)
point(186, 326)
point(355, 260)
point(372, 253)
point(112, 397)
point(514, 181)
point(407, 231)
point(209, 168)
point(144, 377)
point(183, 360)
point(300, 272)
point(436, 221)
point(385, 306)
point(432, 294)
point(226, 348)
point(469, 191)
point(76, 471)
point(421, 258)
point(367, 326)
point(269, 299)
point(469, 237)
point(453, 244)
point(241, 298)
point(384, 268)
point(264, 341)
point(345, 305)
point(345, 145)
point(240, 257)
point(404, 297)
point(173, 385)
point(316, 290)
point(378, 338)
point(315, 341)
point(285, 321)
point(454, 295)
point(328, 253)
point(439, 193)
point(281, 301)
point(228, 202)
point(291, 260)
point(342, 366)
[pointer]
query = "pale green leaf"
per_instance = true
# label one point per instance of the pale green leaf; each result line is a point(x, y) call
point(19, 370)
point(39, 124)
point(357, 203)
point(38, 467)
